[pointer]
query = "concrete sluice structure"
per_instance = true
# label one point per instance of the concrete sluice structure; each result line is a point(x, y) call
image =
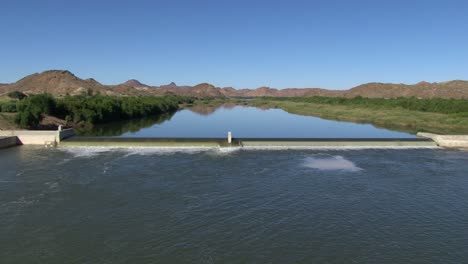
point(48, 138)
point(6, 142)
point(448, 141)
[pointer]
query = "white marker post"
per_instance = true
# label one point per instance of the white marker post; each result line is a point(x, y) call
point(229, 137)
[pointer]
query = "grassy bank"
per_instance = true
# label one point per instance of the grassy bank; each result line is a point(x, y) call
point(7, 121)
point(7, 113)
point(390, 116)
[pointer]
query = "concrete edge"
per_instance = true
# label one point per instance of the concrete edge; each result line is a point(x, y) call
point(447, 141)
point(7, 142)
point(248, 143)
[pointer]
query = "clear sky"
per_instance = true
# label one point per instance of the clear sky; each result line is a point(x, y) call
point(245, 44)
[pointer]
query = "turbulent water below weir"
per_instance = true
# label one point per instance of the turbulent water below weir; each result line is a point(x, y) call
point(246, 206)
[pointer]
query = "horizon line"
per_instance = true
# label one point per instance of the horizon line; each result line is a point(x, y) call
point(221, 87)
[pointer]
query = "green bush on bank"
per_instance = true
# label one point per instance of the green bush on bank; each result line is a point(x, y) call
point(31, 109)
point(8, 107)
point(94, 109)
point(17, 95)
point(436, 105)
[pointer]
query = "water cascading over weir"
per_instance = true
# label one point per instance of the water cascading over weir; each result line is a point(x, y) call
point(67, 138)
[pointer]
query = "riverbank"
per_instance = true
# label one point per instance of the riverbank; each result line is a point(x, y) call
point(394, 119)
point(7, 121)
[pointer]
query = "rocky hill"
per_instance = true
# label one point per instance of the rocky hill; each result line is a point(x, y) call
point(3, 87)
point(135, 83)
point(55, 82)
point(60, 83)
point(452, 89)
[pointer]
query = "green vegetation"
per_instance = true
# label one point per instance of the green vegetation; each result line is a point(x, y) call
point(8, 103)
point(89, 110)
point(121, 127)
point(412, 115)
point(435, 105)
point(211, 101)
point(7, 121)
point(32, 109)
point(17, 95)
point(8, 106)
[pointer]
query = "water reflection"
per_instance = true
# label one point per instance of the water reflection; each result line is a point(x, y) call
point(128, 126)
point(208, 109)
point(216, 119)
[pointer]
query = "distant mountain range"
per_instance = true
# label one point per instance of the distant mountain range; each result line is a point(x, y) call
point(60, 83)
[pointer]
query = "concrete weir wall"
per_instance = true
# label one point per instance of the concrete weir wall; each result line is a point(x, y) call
point(6, 142)
point(53, 138)
point(340, 143)
point(247, 142)
point(447, 141)
point(37, 137)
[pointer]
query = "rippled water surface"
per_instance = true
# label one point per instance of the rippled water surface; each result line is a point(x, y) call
point(245, 206)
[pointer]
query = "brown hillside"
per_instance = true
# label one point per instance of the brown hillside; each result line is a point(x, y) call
point(452, 89)
point(54, 82)
point(200, 90)
point(135, 83)
point(229, 92)
point(59, 83)
point(205, 90)
point(172, 85)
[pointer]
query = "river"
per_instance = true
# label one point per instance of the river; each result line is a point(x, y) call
point(98, 205)
point(244, 122)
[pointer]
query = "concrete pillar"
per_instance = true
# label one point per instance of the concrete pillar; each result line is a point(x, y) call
point(229, 137)
point(59, 132)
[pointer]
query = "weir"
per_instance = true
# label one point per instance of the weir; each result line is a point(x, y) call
point(67, 138)
point(249, 142)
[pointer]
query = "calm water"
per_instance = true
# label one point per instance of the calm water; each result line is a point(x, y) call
point(246, 206)
point(243, 122)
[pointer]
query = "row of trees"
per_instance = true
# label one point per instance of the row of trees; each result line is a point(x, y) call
point(93, 109)
point(436, 105)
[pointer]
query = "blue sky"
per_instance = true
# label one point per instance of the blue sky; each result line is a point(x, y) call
point(245, 44)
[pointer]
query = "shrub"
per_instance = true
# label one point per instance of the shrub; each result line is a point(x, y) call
point(17, 95)
point(9, 107)
point(32, 109)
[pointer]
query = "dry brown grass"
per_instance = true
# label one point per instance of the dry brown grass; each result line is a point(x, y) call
point(7, 121)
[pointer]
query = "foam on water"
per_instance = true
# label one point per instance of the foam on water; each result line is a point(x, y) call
point(93, 151)
point(334, 147)
point(85, 152)
point(163, 150)
point(328, 163)
point(228, 150)
point(89, 152)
